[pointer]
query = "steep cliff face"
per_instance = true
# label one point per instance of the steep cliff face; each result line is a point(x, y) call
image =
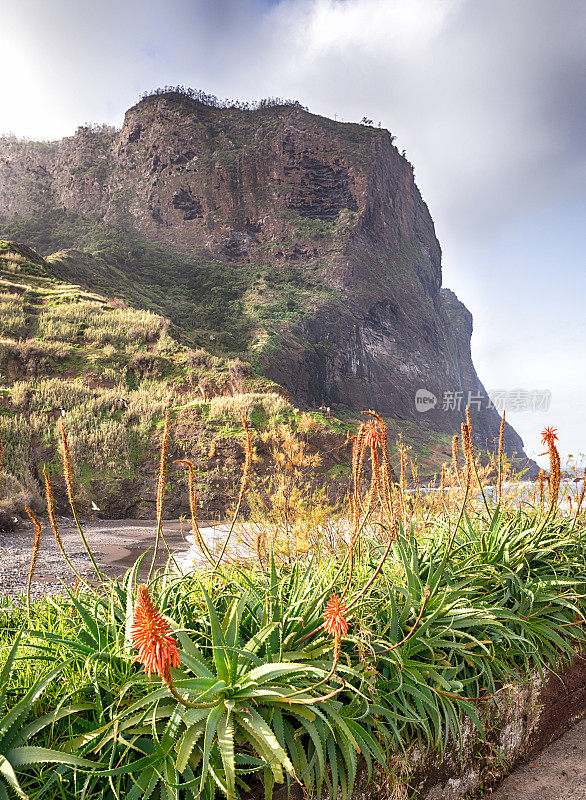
point(308, 238)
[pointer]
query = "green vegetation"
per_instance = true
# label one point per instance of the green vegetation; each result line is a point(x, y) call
point(245, 404)
point(220, 306)
point(305, 666)
point(339, 471)
point(115, 369)
point(111, 368)
point(428, 448)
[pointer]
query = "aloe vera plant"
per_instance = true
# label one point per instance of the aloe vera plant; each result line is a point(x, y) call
point(242, 709)
point(15, 753)
point(262, 697)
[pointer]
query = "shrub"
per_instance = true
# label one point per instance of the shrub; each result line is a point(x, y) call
point(239, 370)
point(33, 357)
point(201, 358)
point(166, 344)
point(148, 365)
point(54, 327)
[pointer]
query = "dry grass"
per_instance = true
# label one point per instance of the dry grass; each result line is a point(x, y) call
point(103, 434)
point(237, 405)
point(53, 327)
point(114, 370)
point(96, 323)
point(12, 317)
point(33, 357)
point(16, 444)
point(201, 359)
point(166, 344)
point(18, 487)
point(288, 512)
point(118, 326)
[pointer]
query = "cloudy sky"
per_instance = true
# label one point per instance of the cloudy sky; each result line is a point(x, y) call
point(486, 96)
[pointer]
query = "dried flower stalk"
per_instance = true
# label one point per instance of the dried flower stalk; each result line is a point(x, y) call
point(358, 451)
point(455, 465)
point(500, 457)
point(35, 552)
point(67, 471)
point(68, 475)
point(161, 484)
point(192, 496)
point(162, 481)
point(582, 493)
point(375, 437)
point(402, 486)
point(541, 483)
point(246, 472)
point(53, 523)
point(443, 488)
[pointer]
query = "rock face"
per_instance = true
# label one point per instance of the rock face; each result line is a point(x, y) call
point(331, 205)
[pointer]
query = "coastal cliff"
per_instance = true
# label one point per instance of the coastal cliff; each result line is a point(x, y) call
point(300, 244)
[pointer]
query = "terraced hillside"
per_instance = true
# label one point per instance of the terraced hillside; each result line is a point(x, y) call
point(110, 371)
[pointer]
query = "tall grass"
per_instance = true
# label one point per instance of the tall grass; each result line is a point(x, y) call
point(112, 370)
point(18, 485)
point(12, 316)
point(98, 324)
point(237, 405)
point(106, 435)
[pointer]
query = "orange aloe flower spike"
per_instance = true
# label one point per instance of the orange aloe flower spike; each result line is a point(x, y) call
point(157, 651)
point(334, 620)
point(549, 435)
point(372, 434)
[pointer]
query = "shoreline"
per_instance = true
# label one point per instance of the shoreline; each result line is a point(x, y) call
point(116, 544)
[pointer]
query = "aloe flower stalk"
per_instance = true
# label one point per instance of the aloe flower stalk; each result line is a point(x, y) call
point(335, 622)
point(157, 651)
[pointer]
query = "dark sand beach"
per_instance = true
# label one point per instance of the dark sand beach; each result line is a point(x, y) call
point(116, 544)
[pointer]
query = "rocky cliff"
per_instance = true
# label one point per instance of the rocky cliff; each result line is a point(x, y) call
point(297, 242)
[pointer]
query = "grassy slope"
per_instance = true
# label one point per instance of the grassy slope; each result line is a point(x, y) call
point(114, 369)
point(240, 306)
point(226, 309)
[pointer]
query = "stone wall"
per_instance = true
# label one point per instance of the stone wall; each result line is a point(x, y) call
point(519, 721)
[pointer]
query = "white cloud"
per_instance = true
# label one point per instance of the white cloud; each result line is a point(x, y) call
point(477, 91)
point(403, 27)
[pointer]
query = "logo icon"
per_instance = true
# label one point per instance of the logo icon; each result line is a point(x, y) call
point(424, 400)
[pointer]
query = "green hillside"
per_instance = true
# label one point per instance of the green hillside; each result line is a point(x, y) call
point(227, 308)
point(113, 370)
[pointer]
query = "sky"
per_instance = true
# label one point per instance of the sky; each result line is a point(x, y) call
point(486, 97)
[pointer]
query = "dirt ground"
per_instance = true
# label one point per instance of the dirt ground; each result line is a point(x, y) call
point(557, 773)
